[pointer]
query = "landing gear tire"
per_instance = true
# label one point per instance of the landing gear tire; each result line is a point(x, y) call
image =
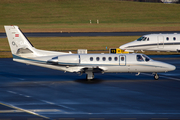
point(89, 76)
point(156, 76)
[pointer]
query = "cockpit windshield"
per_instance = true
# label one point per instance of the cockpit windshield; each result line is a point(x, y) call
point(142, 39)
point(139, 58)
point(142, 58)
point(139, 39)
point(146, 58)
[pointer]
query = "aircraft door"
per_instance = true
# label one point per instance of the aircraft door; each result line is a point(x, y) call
point(122, 60)
point(160, 42)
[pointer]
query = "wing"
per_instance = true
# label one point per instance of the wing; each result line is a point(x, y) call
point(93, 69)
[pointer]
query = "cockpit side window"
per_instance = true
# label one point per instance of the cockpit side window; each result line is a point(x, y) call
point(55, 58)
point(146, 58)
point(144, 39)
point(147, 39)
point(139, 58)
point(140, 39)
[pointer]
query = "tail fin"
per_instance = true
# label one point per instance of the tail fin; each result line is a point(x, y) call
point(18, 43)
point(21, 47)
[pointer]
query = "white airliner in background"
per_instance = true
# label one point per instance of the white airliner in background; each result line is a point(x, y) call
point(24, 52)
point(154, 42)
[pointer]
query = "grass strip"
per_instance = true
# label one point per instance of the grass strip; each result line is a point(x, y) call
point(66, 44)
point(75, 15)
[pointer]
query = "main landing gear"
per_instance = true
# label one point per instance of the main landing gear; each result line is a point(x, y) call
point(156, 76)
point(89, 76)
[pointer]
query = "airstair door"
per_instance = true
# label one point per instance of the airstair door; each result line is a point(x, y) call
point(160, 42)
point(122, 60)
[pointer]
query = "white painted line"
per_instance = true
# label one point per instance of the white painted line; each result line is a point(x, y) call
point(10, 111)
point(42, 100)
point(57, 104)
point(171, 78)
point(18, 94)
point(23, 110)
point(66, 107)
point(168, 77)
point(32, 110)
point(48, 102)
point(45, 110)
point(12, 92)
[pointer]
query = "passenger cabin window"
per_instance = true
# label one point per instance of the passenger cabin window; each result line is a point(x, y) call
point(139, 58)
point(110, 58)
point(97, 58)
point(167, 38)
point(104, 59)
point(115, 58)
point(91, 58)
point(122, 58)
point(174, 38)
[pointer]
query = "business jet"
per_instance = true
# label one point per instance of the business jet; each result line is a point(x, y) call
point(154, 42)
point(23, 51)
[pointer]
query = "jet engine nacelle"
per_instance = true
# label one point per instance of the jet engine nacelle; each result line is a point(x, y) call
point(69, 59)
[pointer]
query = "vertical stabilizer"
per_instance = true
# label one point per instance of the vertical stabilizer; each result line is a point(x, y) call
point(18, 43)
point(21, 47)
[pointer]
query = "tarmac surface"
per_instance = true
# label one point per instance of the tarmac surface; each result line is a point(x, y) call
point(29, 92)
point(95, 34)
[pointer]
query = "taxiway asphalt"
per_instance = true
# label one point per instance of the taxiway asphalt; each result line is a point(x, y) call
point(95, 34)
point(31, 92)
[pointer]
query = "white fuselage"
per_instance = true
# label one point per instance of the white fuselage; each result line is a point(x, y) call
point(100, 63)
point(154, 42)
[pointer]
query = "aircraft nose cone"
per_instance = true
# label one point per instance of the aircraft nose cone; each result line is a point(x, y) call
point(122, 47)
point(127, 45)
point(171, 67)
